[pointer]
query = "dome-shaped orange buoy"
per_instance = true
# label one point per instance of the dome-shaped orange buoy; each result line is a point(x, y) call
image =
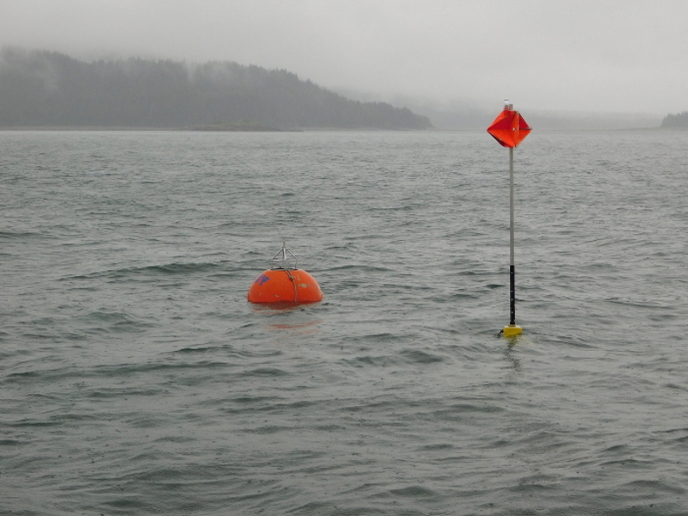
point(285, 286)
point(284, 283)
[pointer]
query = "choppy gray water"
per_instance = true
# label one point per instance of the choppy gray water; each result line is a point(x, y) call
point(136, 379)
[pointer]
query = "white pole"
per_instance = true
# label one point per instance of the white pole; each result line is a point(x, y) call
point(512, 268)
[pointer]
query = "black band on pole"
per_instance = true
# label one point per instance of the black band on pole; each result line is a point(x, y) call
point(512, 274)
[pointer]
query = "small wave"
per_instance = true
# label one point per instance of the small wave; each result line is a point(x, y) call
point(438, 447)
point(178, 268)
point(9, 235)
point(31, 377)
point(253, 399)
point(458, 296)
point(55, 420)
point(414, 492)
point(201, 350)
point(266, 371)
point(104, 321)
point(362, 361)
point(11, 442)
point(359, 268)
point(173, 268)
point(127, 369)
point(122, 393)
point(421, 357)
point(485, 408)
point(268, 429)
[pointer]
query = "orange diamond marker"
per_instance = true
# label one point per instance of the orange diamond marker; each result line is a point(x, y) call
point(509, 128)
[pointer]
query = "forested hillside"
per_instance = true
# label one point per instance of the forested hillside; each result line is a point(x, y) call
point(39, 88)
point(676, 121)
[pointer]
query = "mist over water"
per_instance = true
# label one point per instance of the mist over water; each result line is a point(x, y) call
point(136, 378)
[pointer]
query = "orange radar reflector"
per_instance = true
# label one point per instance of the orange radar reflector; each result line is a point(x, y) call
point(509, 128)
point(284, 283)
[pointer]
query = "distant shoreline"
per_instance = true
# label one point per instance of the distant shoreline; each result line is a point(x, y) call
point(213, 129)
point(308, 129)
point(238, 128)
point(87, 128)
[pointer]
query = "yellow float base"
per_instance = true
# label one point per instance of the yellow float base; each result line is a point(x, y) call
point(512, 330)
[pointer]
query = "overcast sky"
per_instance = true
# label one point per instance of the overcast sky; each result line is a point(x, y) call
point(585, 55)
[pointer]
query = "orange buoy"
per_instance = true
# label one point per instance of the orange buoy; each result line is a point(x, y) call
point(285, 283)
point(285, 286)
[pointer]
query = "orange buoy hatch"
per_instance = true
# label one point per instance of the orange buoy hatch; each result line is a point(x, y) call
point(284, 283)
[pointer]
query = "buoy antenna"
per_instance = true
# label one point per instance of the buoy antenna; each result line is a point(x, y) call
point(284, 259)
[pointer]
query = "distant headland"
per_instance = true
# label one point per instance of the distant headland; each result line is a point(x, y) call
point(50, 89)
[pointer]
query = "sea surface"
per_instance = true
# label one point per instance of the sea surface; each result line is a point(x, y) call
point(136, 379)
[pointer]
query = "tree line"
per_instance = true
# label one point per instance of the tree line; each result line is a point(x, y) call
point(680, 120)
point(42, 88)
